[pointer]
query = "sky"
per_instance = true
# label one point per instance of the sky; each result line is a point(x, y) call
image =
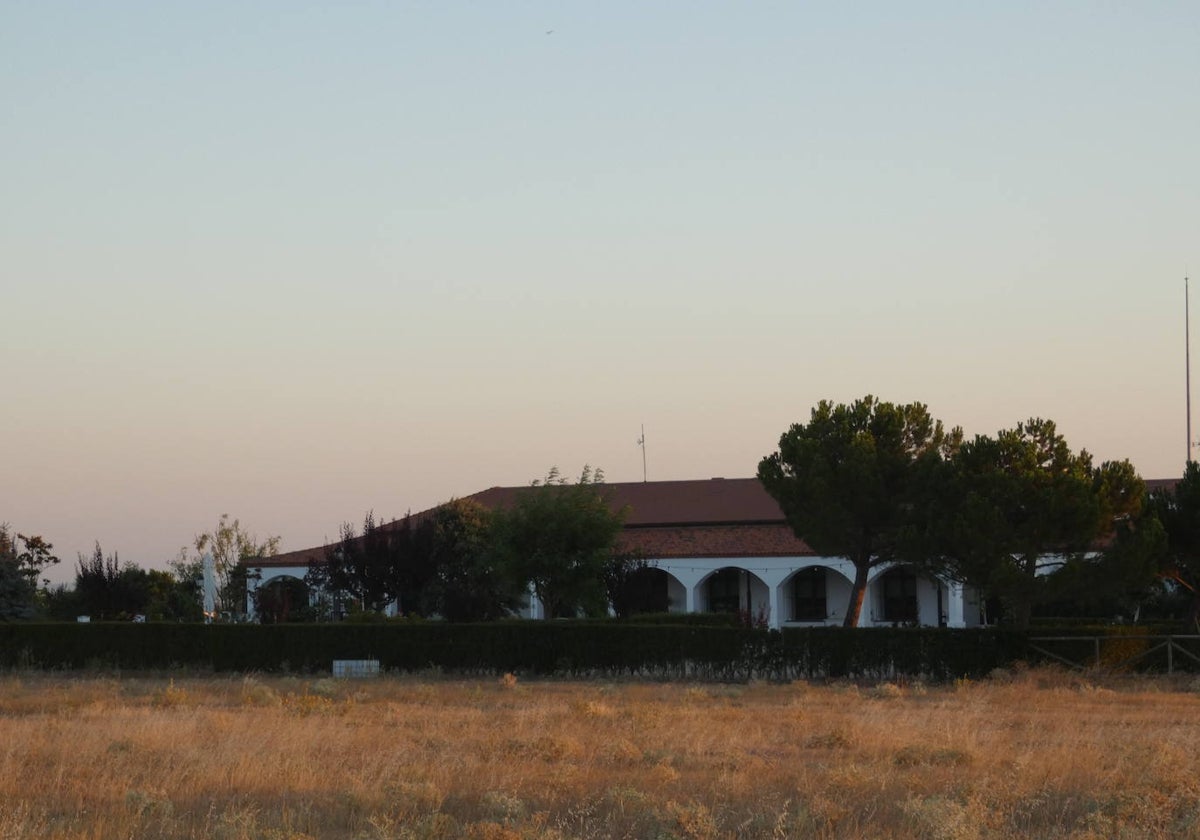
point(296, 261)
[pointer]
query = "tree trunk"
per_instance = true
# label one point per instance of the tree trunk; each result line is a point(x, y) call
point(858, 594)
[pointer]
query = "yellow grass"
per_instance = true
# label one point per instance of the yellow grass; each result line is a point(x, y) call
point(1030, 754)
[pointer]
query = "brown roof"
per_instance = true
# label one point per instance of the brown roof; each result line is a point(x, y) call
point(717, 517)
point(1157, 484)
point(672, 509)
point(671, 542)
point(710, 501)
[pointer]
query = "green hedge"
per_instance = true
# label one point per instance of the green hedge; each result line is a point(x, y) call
point(569, 648)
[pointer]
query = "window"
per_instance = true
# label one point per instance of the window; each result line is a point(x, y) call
point(899, 595)
point(808, 595)
point(724, 591)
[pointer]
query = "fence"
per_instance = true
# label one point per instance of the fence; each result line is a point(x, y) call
point(1121, 652)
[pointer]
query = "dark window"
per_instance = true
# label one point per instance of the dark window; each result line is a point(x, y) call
point(724, 591)
point(899, 595)
point(643, 591)
point(808, 595)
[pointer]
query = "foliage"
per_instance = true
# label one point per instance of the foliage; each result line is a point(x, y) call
point(852, 480)
point(592, 648)
point(443, 563)
point(106, 589)
point(562, 538)
point(1014, 509)
point(468, 580)
point(629, 582)
point(103, 590)
point(282, 599)
point(21, 568)
point(17, 592)
point(365, 567)
point(229, 544)
point(1178, 509)
point(34, 558)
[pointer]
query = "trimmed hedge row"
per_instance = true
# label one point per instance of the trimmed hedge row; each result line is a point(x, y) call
point(575, 648)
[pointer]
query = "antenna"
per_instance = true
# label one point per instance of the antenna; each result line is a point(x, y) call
point(642, 443)
point(1187, 366)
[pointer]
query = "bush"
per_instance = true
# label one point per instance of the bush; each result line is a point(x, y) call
point(568, 648)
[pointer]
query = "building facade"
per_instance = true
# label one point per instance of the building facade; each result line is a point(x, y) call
point(723, 545)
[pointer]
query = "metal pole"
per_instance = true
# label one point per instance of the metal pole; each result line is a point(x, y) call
point(1187, 363)
point(642, 441)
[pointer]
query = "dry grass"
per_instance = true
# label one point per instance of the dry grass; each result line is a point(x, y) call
point(1028, 754)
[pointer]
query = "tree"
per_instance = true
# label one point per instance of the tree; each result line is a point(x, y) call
point(851, 482)
point(365, 566)
point(562, 539)
point(111, 591)
point(34, 558)
point(283, 599)
point(229, 544)
point(1019, 507)
point(1178, 509)
point(98, 586)
point(468, 580)
point(631, 586)
point(17, 592)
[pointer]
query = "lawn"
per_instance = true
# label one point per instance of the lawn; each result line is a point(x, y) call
point(1024, 754)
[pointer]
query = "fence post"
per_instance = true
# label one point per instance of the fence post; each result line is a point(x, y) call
point(1097, 641)
point(1170, 654)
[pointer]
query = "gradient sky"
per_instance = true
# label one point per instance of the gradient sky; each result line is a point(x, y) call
point(296, 261)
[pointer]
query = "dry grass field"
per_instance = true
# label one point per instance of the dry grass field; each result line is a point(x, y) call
point(1029, 754)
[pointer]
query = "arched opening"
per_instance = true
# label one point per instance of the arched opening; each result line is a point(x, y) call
point(647, 590)
point(808, 594)
point(724, 590)
point(736, 591)
point(897, 589)
point(282, 599)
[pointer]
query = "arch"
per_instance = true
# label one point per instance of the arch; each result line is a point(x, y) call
point(896, 595)
point(282, 598)
point(648, 590)
point(814, 594)
point(731, 589)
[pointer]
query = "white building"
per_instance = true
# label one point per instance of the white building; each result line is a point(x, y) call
point(723, 545)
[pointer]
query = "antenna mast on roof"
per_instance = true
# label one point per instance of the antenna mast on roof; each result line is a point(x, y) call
point(1187, 364)
point(642, 443)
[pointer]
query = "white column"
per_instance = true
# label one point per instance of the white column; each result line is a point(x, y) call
point(251, 587)
point(954, 605)
point(689, 599)
point(776, 618)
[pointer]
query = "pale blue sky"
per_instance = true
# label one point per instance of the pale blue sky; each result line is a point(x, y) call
point(294, 261)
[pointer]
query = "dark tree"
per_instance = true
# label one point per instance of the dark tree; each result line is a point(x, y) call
point(363, 566)
point(853, 480)
point(1019, 508)
point(107, 590)
point(1178, 509)
point(17, 592)
point(282, 599)
point(468, 580)
point(35, 557)
point(562, 539)
point(635, 587)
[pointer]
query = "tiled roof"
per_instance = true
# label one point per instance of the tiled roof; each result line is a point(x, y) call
point(710, 501)
point(681, 541)
point(669, 509)
point(718, 517)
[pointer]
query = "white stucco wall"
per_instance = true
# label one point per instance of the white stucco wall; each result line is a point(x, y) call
point(770, 590)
